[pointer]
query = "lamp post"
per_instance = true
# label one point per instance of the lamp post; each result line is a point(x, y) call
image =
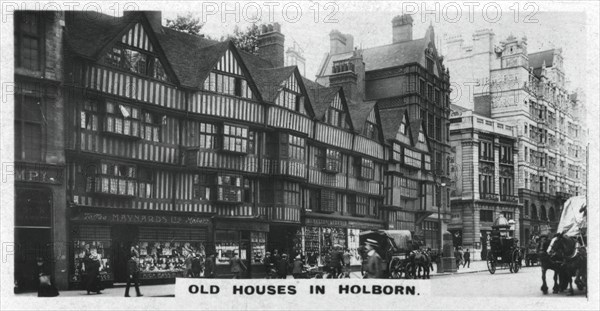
point(441, 235)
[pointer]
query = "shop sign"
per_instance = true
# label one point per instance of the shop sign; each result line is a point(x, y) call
point(142, 219)
point(159, 275)
point(38, 173)
point(326, 222)
point(362, 225)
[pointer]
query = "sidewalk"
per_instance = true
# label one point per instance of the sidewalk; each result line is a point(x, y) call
point(476, 266)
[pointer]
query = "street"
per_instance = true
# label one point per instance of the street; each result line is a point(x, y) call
point(475, 281)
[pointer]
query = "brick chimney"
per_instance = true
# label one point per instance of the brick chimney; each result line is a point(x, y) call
point(270, 44)
point(402, 28)
point(340, 43)
point(350, 75)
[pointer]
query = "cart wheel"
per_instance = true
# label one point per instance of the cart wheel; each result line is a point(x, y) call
point(394, 268)
point(491, 263)
point(516, 260)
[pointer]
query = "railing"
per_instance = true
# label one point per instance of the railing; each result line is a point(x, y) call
point(213, 159)
point(488, 196)
point(292, 168)
point(279, 212)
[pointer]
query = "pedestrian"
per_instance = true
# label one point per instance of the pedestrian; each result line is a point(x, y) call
point(336, 261)
point(237, 266)
point(196, 265)
point(283, 267)
point(43, 278)
point(462, 257)
point(269, 266)
point(346, 259)
point(188, 266)
point(374, 269)
point(209, 266)
point(133, 275)
point(467, 259)
point(297, 267)
point(92, 267)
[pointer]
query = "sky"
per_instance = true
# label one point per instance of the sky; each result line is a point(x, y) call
point(545, 24)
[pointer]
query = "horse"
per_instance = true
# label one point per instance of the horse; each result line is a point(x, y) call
point(547, 263)
point(572, 259)
point(420, 261)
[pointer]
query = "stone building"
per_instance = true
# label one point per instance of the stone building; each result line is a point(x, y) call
point(527, 91)
point(484, 173)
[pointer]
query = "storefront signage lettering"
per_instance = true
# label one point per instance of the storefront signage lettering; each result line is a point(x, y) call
point(142, 219)
point(159, 275)
point(38, 173)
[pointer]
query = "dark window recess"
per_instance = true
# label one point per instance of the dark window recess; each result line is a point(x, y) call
point(28, 128)
point(486, 215)
point(328, 201)
point(28, 40)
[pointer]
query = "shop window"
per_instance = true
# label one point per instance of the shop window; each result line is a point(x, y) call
point(122, 120)
point(88, 239)
point(486, 216)
point(237, 139)
point(258, 242)
point(28, 40)
point(227, 242)
point(28, 128)
point(164, 250)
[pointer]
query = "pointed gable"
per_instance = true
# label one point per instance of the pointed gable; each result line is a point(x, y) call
point(137, 37)
point(419, 136)
point(395, 125)
point(227, 73)
point(329, 104)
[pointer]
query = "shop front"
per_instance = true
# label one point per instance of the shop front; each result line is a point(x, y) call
point(247, 238)
point(164, 240)
point(320, 234)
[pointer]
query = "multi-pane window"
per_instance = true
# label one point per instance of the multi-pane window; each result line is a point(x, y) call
point(412, 158)
point(426, 162)
point(123, 120)
point(366, 168)
point(229, 188)
point(335, 117)
point(136, 61)
point(291, 101)
point(486, 150)
point(486, 215)
point(396, 152)
point(114, 179)
point(146, 183)
point(237, 139)
point(422, 87)
point(152, 126)
point(437, 96)
point(328, 201)
point(28, 35)
point(430, 125)
point(438, 128)
point(486, 183)
point(333, 161)
point(508, 215)
point(430, 92)
point(506, 154)
point(28, 128)
point(293, 147)
point(89, 116)
point(207, 136)
point(225, 84)
point(202, 186)
point(371, 130)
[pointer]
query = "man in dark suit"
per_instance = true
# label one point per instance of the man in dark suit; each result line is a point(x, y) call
point(467, 257)
point(132, 275)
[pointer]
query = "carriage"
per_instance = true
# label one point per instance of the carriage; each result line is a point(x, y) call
point(504, 249)
point(394, 247)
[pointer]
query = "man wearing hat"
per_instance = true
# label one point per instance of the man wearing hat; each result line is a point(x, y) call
point(374, 262)
point(132, 274)
point(283, 266)
point(297, 267)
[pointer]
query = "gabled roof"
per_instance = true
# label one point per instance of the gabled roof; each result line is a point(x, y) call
point(320, 96)
point(390, 122)
point(269, 80)
point(359, 112)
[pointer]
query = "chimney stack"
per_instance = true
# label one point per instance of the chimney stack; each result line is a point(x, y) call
point(402, 28)
point(270, 44)
point(340, 43)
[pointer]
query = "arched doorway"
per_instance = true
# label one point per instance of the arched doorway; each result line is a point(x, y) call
point(551, 214)
point(543, 215)
point(534, 212)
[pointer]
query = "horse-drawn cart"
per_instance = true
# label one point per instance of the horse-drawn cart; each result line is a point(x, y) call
point(394, 246)
point(504, 250)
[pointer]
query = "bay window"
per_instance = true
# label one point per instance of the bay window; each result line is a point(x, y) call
point(207, 136)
